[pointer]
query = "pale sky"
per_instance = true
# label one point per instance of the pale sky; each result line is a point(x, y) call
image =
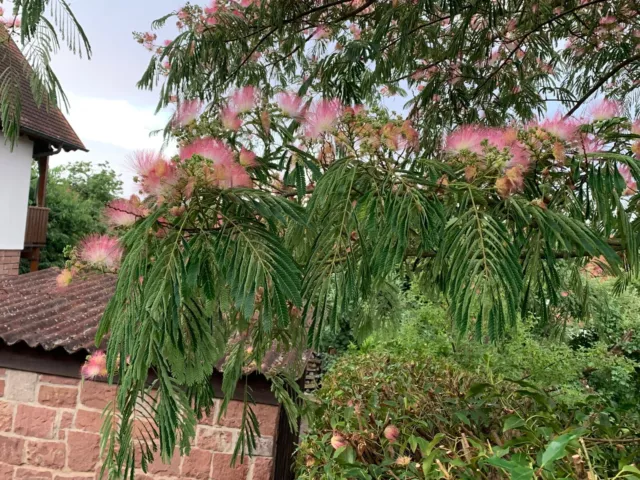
point(109, 113)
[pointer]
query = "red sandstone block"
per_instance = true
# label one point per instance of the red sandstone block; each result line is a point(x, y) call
point(88, 421)
point(162, 469)
point(222, 469)
point(96, 394)
point(262, 468)
point(11, 450)
point(6, 471)
point(32, 474)
point(267, 416)
point(46, 454)
point(83, 451)
point(73, 476)
point(66, 420)
point(143, 476)
point(60, 397)
point(214, 440)
point(58, 380)
point(34, 421)
point(1, 388)
point(213, 416)
point(197, 464)
point(6, 416)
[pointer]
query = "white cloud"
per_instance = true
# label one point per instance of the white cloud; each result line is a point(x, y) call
point(116, 121)
point(112, 130)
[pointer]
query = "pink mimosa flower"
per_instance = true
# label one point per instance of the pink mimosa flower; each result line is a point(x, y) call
point(290, 104)
point(632, 186)
point(144, 160)
point(247, 158)
point(591, 144)
point(244, 99)
point(101, 251)
point(230, 119)
point(635, 127)
point(605, 109)
point(391, 433)
point(507, 138)
point(321, 32)
point(355, 31)
point(122, 213)
point(155, 173)
point(64, 278)
point(238, 177)
point(95, 366)
point(323, 117)
point(466, 137)
point(563, 128)
point(187, 111)
point(230, 175)
point(210, 148)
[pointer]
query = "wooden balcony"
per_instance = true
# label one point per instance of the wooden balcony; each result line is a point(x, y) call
point(35, 235)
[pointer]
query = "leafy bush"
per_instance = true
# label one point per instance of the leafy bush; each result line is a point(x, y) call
point(425, 405)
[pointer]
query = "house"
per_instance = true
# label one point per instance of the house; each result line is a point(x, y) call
point(49, 417)
point(44, 132)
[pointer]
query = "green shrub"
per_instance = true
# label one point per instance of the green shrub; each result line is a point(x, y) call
point(464, 410)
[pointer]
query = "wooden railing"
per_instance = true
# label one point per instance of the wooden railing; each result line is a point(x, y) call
point(36, 231)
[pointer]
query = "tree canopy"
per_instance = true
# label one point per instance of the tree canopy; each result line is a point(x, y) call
point(76, 195)
point(298, 196)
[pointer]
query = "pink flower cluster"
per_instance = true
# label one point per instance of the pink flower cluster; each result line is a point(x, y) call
point(124, 213)
point(155, 174)
point(225, 172)
point(187, 111)
point(101, 251)
point(95, 366)
point(320, 118)
point(472, 138)
point(10, 22)
point(605, 109)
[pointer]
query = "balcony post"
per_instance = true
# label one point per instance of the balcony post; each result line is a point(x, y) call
point(43, 167)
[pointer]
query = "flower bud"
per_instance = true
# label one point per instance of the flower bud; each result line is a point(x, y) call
point(391, 433)
point(338, 441)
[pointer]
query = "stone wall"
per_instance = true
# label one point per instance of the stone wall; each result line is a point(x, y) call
point(9, 262)
point(49, 430)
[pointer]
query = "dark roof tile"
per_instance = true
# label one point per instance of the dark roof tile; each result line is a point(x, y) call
point(41, 122)
point(34, 310)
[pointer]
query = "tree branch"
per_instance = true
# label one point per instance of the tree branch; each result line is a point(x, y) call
point(601, 82)
point(531, 32)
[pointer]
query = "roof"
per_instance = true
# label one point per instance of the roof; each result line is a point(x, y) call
point(40, 122)
point(34, 310)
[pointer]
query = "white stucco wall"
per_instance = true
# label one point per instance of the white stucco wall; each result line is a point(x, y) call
point(15, 175)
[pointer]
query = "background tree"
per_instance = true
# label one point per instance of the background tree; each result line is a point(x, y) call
point(76, 195)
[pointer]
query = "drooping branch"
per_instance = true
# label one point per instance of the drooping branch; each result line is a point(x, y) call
point(601, 82)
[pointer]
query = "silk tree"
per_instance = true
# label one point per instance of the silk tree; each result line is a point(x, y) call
point(298, 196)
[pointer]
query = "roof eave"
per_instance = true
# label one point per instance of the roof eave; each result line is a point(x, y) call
point(68, 147)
